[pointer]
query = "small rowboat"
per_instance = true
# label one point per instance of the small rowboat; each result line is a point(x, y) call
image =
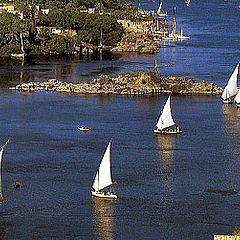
point(83, 128)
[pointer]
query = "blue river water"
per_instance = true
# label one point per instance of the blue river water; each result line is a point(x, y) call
point(169, 187)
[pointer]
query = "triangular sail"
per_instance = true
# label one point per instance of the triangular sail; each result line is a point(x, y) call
point(166, 120)
point(231, 89)
point(103, 177)
point(1, 153)
point(159, 7)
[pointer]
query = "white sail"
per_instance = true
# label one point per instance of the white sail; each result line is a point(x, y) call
point(165, 119)
point(237, 98)
point(187, 2)
point(1, 153)
point(103, 177)
point(159, 7)
point(231, 89)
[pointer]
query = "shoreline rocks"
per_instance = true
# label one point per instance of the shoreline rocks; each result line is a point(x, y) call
point(141, 83)
point(137, 42)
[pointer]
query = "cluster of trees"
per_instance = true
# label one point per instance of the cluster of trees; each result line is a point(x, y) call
point(65, 14)
point(10, 29)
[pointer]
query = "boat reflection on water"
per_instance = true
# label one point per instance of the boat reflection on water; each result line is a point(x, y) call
point(231, 116)
point(103, 210)
point(165, 145)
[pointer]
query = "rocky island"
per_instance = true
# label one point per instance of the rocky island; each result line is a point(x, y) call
point(137, 83)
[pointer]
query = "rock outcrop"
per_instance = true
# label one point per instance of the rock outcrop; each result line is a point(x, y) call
point(137, 42)
point(140, 83)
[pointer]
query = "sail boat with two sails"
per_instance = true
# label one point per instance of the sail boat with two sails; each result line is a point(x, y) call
point(103, 177)
point(231, 88)
point(1, 154)
point(166, 124)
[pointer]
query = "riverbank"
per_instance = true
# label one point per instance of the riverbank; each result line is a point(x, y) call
point(139, 42)
point(138, 83)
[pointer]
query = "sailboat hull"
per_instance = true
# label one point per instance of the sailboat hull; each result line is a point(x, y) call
point(108, 195)
point(227, 101)
point(83, 129)
point(167, 131)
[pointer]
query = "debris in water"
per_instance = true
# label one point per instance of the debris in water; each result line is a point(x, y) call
point(17, 185)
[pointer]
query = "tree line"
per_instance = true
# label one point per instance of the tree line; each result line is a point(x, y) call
point(64, 14)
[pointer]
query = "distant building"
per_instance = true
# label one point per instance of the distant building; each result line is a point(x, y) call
point(10, 8)
point(87, 11)
point(91, 10)
point(58, 31)
point(83, 11)
point(45, 11)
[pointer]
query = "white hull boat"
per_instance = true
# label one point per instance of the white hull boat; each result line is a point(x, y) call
point(181, 36)
point(166, 124)
point(227, 101)
point(101, 194)
point(168, 131)
point(103, 178)
point(83, 129)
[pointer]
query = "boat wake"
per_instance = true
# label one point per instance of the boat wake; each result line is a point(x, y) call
point(222, 192)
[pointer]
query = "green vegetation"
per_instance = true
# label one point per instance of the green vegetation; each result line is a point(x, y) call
point(10, 28)
point(137, 77)
point(72, 15)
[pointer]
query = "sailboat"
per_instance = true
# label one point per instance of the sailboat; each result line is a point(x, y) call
point(231, 88)
point(159, 11)
point(181, 36)
point(166, 124)
point(1, 154)
point(103, 178)
point(187, 2)
point(237, 99)
point(82, 128)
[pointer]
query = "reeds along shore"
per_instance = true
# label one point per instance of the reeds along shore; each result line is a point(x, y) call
point(126, 84)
